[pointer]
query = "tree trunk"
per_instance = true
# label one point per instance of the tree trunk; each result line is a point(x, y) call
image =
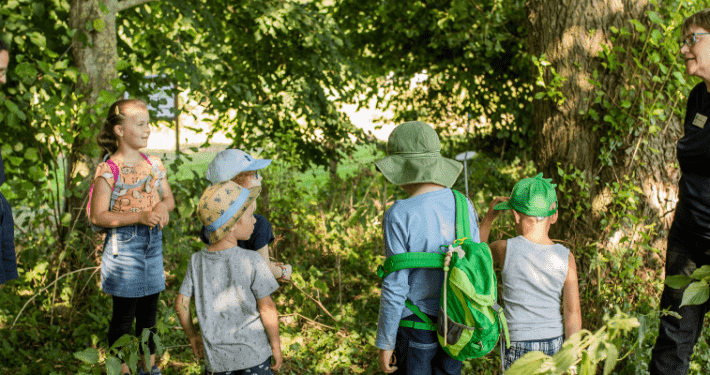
point(95, 55)
point(571, 35)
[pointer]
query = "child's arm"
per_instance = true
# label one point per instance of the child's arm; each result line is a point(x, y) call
point(573, 316)
point(275, 267)
point(102, 217)
point(182, 308)
point(487, 222)
point(270, 318)
point(166, 204)
point(498, 252)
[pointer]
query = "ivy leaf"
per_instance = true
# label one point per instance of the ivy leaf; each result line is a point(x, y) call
point(113, 366)
point(677, 281)
point(696, 294)
point(99, 25)
point(701, 272)
point(38, 39)
point(89, 356)
point(15, 109)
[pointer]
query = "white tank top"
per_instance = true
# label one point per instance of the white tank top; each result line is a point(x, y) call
point(533, 277)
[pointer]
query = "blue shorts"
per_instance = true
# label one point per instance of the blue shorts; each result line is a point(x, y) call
point(417, 352)
point(518, 349)
point(132, 262)
point(262, 369)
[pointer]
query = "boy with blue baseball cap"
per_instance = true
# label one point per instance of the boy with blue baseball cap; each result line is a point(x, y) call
point(538, 274)
point(243, 169)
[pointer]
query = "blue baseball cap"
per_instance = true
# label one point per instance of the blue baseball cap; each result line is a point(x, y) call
point(232, 162)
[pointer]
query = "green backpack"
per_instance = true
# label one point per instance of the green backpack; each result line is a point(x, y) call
point(469, 294)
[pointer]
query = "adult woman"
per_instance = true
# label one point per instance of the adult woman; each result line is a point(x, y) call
point(689, 236)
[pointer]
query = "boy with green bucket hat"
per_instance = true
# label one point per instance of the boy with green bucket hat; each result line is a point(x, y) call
point(420, 223)
point(537, 273)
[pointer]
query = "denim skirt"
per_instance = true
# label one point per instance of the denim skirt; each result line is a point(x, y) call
point(132, 262)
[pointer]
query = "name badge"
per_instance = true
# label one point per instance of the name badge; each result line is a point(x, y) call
point(700, 120)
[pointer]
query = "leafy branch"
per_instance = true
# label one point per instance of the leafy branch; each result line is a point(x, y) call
point(697, 292)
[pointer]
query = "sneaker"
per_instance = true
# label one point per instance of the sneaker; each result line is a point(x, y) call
point(154, 371)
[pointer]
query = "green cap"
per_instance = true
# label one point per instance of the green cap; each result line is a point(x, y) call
point(532, 196)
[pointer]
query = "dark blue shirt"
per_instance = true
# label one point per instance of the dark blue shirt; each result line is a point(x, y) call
point(2, 171)
point(8, 263)
point(261, 236)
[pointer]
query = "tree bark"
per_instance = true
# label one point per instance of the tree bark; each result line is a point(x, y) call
point(571, 35)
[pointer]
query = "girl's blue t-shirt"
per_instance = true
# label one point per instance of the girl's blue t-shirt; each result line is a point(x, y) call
point(418, 224)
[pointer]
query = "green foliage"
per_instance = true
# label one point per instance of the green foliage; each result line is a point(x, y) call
point(447, 62)
point(552, 90)
point(584, 350)
point(271, 82)
point(697, 292)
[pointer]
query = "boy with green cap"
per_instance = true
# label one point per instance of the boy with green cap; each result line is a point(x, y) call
point(537, 273)
point(420, 223)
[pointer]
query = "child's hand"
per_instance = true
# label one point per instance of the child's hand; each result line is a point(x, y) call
point(163, 214)
point(492, 214)
point(278, 358)
point(198, 347)
point(387, 361)
point(149, 218)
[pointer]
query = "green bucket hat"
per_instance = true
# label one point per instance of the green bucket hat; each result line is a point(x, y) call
point(532, 196)
point(414, 156)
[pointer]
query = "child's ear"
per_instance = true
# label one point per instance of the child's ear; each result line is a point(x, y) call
point(553, 218)
point(517, 217)
point(118, 130)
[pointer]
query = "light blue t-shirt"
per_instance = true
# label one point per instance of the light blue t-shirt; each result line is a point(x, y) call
point(418, 224)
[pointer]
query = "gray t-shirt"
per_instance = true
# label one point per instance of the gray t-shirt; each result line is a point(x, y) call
point(226, 285)
point(533, 278)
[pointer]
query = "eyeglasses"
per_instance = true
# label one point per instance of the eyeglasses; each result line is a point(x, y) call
point(690, 40)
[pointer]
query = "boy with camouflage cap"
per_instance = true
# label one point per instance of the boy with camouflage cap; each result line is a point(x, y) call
point(231, 287)
point(537, 273)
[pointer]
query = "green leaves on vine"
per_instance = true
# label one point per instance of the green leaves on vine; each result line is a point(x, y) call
point(697, 292)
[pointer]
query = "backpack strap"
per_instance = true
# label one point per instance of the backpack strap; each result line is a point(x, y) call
point(463, 226)
point(155, 172)
point(410, 260)
point(426, 325)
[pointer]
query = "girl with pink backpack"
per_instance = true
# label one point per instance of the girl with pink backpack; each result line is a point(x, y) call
point(130, 200)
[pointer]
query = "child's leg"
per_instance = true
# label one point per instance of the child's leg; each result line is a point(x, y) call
point(418, 351)
point(146, 314)
point(124, 312)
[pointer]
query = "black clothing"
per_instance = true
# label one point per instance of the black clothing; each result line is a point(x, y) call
point(261, 236)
